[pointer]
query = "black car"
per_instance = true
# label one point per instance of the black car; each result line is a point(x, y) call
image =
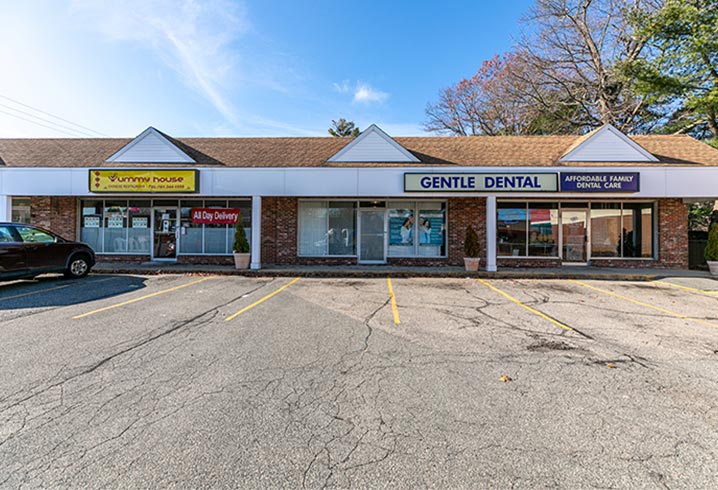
point(26, 251)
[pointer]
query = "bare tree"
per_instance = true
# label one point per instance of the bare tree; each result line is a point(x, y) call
point(492, 102)
point(575, 49)
point(561, 78)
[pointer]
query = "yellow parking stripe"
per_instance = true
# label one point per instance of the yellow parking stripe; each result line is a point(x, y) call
point(246, 308)
point(687, 288)
point(157, 293)
point(394, 309)
point(83, 283)
point(532, 310)
point(641, 303)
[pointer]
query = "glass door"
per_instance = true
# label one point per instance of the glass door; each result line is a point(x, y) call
point(165, 233)
point(574, 232)
point(372, 243)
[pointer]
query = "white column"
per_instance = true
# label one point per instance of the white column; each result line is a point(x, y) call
point(5, 208)
point(491, 234)
point(256, 253)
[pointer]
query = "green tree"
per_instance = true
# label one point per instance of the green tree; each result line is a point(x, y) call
point(679, 68)
point(343, 129)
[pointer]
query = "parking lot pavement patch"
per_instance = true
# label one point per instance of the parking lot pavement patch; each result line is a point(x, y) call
point(712, 294)
point(262, 300)
point(533, 310)
point(55, 288)
point(135, 300)
point(641, 303)
point(394, 309)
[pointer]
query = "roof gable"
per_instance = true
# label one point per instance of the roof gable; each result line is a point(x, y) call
point(150, 146)
point(607, 144)
point(373, 145)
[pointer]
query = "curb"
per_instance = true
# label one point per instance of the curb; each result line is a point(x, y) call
point(343, 273)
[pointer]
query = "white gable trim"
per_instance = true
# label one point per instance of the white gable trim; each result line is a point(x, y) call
point(167, 152)
point(391, 152)
point(592, 149)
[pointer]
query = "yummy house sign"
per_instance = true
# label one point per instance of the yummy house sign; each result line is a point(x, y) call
point(144, 181)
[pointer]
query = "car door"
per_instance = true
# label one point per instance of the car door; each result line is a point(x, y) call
point(44, 251)
point(12, 253)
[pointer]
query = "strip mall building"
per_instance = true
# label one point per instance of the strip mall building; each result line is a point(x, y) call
point(603, 199)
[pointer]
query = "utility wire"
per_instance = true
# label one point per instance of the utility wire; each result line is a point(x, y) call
point(78, 131)
point(39, 124)
point(52, 115)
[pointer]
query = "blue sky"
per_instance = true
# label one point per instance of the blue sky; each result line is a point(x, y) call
point(232, 68)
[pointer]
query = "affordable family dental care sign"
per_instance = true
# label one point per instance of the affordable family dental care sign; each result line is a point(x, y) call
point(508, 182)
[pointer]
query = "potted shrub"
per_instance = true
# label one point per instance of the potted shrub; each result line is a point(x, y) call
point(240, 248)
point(471, 250)
point(711, 252)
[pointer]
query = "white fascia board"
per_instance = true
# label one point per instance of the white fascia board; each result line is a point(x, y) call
point(406, 155)
point(656, 182)
point(641, 154)
point(178, 156)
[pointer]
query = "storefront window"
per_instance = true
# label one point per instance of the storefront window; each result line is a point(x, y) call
point(606, 229)
point(115, 225)
point(327, 228)
point(21, 210)
point(432, 229)
point(622, 230)
point(91, 224)
point(191, 234)
point(417, 229)
point(125, 227)
point(638, 226)
point(543, 230)
point(511, 229)
point(215, 236)
point(402, 229)
point(138, 227)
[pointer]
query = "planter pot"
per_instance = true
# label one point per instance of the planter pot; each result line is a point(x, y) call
point(471, 264)
point(241, 261)
point(713, 266)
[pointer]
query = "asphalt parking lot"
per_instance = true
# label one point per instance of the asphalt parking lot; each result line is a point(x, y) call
point(125, 381)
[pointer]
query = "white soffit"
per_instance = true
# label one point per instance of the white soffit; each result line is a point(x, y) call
point(150, 146)
point(373, 145)
point(608, 144)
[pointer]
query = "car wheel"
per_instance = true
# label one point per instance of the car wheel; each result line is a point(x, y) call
point(79, 267)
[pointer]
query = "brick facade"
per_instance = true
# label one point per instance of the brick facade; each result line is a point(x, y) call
point(280, 225)
point(55, 213)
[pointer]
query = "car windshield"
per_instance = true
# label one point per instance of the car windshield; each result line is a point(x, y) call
point(33, 235)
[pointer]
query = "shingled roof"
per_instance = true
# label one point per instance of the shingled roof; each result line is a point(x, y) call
point(489, 151)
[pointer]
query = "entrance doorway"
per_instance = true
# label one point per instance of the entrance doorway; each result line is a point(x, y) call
point(372, 236)
point(165, 226)
point(574, 233)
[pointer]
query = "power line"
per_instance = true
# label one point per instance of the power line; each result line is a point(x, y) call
point(37, 123)
point(52, 115)
point(82, 133)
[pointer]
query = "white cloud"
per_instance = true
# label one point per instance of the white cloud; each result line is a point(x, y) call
point(363, 92)
point(366, 94)
point(343, 87)
point(194, 38)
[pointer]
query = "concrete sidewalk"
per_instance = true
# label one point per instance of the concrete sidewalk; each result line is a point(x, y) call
point(148, 268)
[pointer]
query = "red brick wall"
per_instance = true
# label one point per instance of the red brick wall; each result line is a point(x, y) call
point(55, 213)
point(462, 212)
point(279, 230)
point(672, 234)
